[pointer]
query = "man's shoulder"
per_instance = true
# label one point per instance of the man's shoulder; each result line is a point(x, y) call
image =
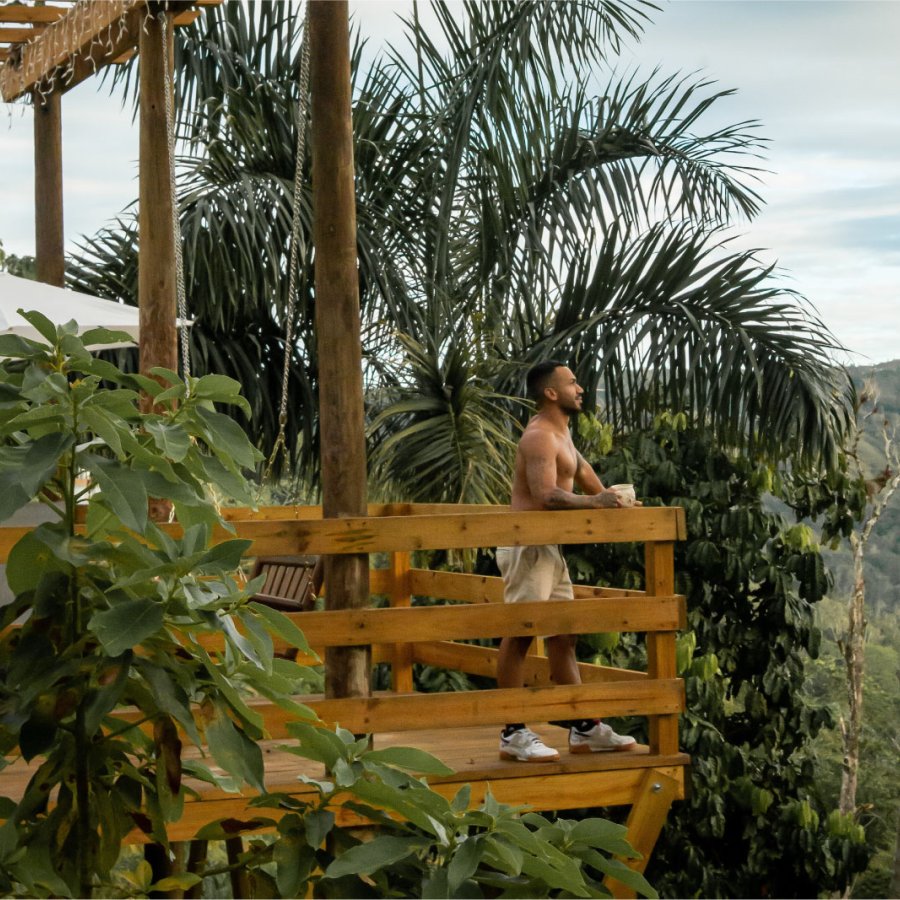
point(539, 436)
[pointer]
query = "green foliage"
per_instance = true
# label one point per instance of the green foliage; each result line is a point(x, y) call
point(22, 266)
point(424, 845)
point(116, 610)
point(443, 432)
point(754, 824)
point(508, 209)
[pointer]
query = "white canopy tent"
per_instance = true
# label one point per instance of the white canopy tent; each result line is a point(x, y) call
point(59, 306)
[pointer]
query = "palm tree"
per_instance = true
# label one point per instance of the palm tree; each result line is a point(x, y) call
point(506, 211)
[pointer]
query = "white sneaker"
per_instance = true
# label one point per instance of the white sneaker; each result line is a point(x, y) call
point(599, 739)
point(525, 746)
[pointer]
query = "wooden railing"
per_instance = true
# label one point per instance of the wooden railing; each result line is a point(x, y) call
point(405, 634)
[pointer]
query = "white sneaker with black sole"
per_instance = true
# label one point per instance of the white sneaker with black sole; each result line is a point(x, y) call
point(524, 745)
point(599, 739)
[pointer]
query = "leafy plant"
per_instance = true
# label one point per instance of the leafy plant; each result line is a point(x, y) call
point(116, 607)
point(424, 845)
point(754, 824)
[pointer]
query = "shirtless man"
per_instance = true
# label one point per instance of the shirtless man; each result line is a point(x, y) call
point(548, 468)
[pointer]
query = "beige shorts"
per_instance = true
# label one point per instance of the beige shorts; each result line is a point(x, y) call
point(534, 573)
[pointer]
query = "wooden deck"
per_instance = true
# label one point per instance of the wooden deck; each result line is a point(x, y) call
point(576, 781)
point(462, 728)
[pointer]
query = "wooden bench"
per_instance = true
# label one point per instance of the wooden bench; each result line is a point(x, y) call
point(292, 582)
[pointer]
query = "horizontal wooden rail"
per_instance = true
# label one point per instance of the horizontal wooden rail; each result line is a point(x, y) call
point(456, 586)
point(458, 531)
point(476, 660)
point(312, 513)
point(390, 712)
point(356, 627)
point(406, 712)
point(485, 588)
point(440, 531)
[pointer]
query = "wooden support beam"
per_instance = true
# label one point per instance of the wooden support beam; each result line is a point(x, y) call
point(401, 598)
point(17, 35)
point(660, 581)
point(339, 347)
point(645, 821)
point(76, 40)
point(89, 31)
point(156, 242)
point(18, 12)
point(48, 190)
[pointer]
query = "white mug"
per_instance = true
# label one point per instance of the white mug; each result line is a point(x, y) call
point(626, 493)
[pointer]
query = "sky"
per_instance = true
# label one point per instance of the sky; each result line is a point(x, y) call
point(821, 78)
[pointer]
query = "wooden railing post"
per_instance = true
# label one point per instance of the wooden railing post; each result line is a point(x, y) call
point(659, 561)
point(400, 596)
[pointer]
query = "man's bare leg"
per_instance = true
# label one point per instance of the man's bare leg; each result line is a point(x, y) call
point(561, 656)
point(511, 661)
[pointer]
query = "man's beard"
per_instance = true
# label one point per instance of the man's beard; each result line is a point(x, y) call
point(571, 409)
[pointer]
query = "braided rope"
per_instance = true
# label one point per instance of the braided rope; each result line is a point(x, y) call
point(296, 239)
point(176, 225)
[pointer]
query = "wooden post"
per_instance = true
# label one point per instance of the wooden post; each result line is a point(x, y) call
point(339, 346)
point(156, 242)
point(659, 563)
point(401, 655)
point(48, 189)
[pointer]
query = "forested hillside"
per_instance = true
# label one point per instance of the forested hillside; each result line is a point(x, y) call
point(879, 795)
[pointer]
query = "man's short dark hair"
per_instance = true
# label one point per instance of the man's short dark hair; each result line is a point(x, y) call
point(539, 376)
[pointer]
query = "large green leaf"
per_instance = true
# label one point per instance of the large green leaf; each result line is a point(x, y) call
point(233, 750)
point(294, 860)
point(281, 625)
point(170, 438)
point(41, 323)
point(16, 347)
point(226, 438)
point(379, 853)
point(409, 758)
point(124, 493)
point(29, 561)
point(465, 861)
point(126, 624)
point(24, 470)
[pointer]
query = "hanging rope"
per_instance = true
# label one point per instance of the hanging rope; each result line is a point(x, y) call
point(294, 262)
point(176, 224)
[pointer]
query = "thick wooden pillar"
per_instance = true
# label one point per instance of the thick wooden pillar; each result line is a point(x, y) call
point(48, 190)
point(341, 422)
point(156, 242)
